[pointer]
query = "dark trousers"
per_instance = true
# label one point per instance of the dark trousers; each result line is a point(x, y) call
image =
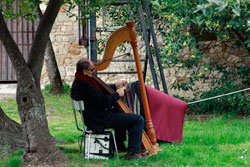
point(134, 124)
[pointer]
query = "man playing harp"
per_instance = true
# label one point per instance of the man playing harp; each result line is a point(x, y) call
point(100, 112)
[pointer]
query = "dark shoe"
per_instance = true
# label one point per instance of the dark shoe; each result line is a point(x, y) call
point(133, 156)
point(121, 147)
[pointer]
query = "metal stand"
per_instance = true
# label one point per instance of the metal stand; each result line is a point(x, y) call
point(155, 46)
point(148, 50)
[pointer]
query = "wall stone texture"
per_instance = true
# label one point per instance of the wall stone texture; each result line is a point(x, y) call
point(64, 37)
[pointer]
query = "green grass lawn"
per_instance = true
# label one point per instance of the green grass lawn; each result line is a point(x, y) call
point(218, 141)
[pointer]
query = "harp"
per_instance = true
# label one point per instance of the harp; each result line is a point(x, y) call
point(123, 34)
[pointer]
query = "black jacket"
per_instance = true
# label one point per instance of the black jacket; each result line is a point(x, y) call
point(99, 107)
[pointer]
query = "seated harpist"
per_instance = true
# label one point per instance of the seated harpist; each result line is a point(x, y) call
point(100, 111)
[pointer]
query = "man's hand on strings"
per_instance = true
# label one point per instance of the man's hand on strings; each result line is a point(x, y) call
point(120, 92)
point(121, 84)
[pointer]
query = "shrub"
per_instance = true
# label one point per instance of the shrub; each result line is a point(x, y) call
point(231, 105)
point(15, 162)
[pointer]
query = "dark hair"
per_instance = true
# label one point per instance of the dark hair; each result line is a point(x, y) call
point(82, 64)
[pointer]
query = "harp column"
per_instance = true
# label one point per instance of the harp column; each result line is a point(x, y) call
point(149, 124)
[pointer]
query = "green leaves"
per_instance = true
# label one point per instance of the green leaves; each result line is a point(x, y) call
point(25, 9)
point(181, 48)
point(248, 24)
point(236, 11)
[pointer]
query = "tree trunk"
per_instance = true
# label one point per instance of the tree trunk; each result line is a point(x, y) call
point(39, 144)
point(51, 65)
point(11, 133)
point(53, 72)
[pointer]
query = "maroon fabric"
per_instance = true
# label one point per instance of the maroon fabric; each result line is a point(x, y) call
point(167, 115)
point(86, 78)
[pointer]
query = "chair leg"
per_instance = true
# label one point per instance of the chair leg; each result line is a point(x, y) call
point(89, 147)
point(116, 150)
point(81, 144)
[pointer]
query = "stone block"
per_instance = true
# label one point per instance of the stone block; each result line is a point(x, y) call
point(226, 55)
point(66, 28)
point(186, 57)
point(65, 39)
point(62, 17)
point(233, 59)
point(74, 60)
point(72, 38)
point(60, 61)
point(220, 55)
point(76, 45)
point(74, 51)
point(63, 9)
point(83, 52)
point(59, 38)
point(70, 71)
point(212, 51)
point(181, 73)
point(56, 50)
point(205, 60)
point(60, 33)
point(223, 61)
point(186, 50)
point(62, 49)
point(59, 24)
point(75, 28)
point(206, 51)
point(67, 62)
point(246, 60)
point(68, 23)
point(73, 19)
point(69, 79)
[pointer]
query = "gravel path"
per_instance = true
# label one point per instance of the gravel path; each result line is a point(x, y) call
point(7, 91)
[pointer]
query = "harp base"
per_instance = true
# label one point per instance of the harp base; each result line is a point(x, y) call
point(154, 150)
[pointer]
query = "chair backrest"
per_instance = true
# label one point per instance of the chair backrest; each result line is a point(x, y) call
point(78, 106)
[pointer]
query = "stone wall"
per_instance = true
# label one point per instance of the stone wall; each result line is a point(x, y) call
point(64, 37)
point(225, 54)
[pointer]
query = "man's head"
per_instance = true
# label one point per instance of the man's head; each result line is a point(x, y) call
point(85, 66)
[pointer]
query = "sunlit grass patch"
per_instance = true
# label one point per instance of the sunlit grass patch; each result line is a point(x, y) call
point(9, 107)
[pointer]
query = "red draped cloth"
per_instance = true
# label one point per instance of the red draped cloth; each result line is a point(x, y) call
point(167, 115)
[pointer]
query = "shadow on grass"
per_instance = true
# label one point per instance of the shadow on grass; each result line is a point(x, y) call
point(68, 150)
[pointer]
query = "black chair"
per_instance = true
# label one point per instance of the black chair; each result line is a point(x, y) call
point(79, 106)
